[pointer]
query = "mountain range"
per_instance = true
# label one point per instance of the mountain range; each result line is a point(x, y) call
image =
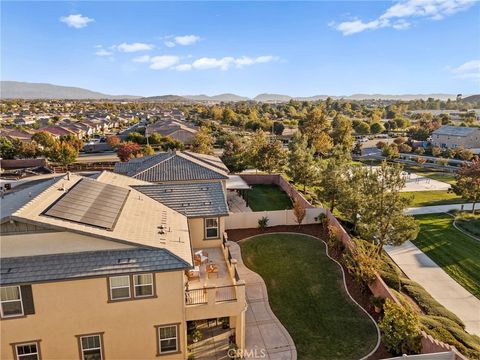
point(25, 90)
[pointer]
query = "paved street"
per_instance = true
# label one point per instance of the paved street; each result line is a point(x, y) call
point(420, 268)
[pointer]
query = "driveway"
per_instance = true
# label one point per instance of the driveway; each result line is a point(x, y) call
point(420, 268)
point(264, 332)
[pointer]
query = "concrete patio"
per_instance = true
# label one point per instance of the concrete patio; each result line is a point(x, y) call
point(236, 204)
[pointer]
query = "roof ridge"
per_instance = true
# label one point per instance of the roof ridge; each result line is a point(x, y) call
point(136, 172)
point(203, 163)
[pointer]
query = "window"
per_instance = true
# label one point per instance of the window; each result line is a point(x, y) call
point(28, 351)
point(120, 287)
point(91, 347)
point(211, 228)
point(11, 301)
point(143, 285)
point(167, 339)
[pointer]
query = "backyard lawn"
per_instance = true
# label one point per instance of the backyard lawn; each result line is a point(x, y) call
point(471, 226)
point(431, 198)
point(306, 293)
point(268, 197)
point(457, 253)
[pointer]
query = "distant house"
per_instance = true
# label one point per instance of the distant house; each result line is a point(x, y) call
point(57, 131)
point(14, 134)
point(177, 130)
point(24, 121)
point(455, 136)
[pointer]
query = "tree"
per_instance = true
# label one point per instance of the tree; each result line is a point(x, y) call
point(436, 151)
point(391, 152)
point(73, 141)
point(468, 182)
point(362, 128)
point(299, 211)
point(136, 137)
point(44, 139)
point(148, 150)
point(27, 150)
point(302, 166)
point(169, 143)
point(113, 141)
point(234, 155)
point(316, 127)
point(377, 128)
point(271, 158)
point(342, 132)
point(203, 142)
point(129, 150)
point(7, 148)
point(62, 153)
point(278, 127)
point(155, 139)
point(258, 141)
point(381, 218)
point(401, 329)
point(333, 178)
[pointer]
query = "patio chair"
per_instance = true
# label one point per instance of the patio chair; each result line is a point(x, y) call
point(200, 257)
point(193, 274)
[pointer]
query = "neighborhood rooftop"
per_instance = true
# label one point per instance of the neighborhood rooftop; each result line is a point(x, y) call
point(454, 130)
point(141, 221)
point(198, 199)
point(174, 166)
point(29, 269)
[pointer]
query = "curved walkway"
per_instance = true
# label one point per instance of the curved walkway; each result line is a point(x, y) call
point(264, 332)
point(420, 268)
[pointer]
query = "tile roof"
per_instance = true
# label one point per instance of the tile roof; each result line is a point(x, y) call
point(454, 130)
point(174, 166)
point(29, 269)
point(199, 199)
point(140, 221)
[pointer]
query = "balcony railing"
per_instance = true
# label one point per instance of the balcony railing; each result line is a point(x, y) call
point(213, 295)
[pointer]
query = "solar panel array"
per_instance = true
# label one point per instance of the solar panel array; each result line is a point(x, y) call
point(90, 202)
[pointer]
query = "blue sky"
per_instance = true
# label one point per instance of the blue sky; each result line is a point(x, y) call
point(295, 48)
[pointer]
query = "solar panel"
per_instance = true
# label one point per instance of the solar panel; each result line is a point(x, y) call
point(90, 202)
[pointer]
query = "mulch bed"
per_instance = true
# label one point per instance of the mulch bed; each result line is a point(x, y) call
point(359, 293)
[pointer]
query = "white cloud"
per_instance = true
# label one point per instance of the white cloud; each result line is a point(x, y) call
point(169, 43)
point(142, 59)
point(76, 21)
point(183, 67)
point(163, 62)
point(468, 70)
point(396, 15)
point(103, 52)
point(186, 39)
point(124, 47)
point(212, 63)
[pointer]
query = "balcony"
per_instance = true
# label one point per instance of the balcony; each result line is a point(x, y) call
point(215, 289)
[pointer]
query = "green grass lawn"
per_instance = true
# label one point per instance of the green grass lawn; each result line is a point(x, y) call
point(430, 198)
point(471, 226)
point(306, 293)
point(268, 197)
point(457, 253)
point(439, 176)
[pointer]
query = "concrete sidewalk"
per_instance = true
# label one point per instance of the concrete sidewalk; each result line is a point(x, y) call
point(437, 209)
point(420, 268)
point(264, 332)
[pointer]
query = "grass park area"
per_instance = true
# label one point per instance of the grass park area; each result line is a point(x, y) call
point(307, 294)
point(453, 251)
point(432, 198)
point(470, 224)
point(268, 197)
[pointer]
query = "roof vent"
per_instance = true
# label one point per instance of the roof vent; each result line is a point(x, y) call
point(204, 188)
point(125, 261)
point(185, 204)
point(207, 203)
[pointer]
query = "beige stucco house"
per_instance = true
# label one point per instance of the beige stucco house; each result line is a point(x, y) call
point(456, 136)
point(115, 267)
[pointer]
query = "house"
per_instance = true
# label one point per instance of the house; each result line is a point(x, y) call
point(112, 268)
point(177, 130)
point(455, 136)
point(15, 134)
point(24, 121)
point(57, 131)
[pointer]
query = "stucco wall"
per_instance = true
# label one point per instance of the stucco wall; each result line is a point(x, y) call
point(68, 308)
point(53, 243)
point(197, 233)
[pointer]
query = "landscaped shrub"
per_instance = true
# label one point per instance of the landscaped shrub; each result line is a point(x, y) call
point(389, 273)
point(428, 304)
point(401, 329)
point(362, 261)
point(263, 222)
